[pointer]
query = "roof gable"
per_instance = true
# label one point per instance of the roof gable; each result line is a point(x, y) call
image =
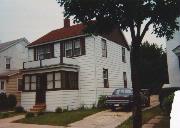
point(74, 31)
point(6, 45)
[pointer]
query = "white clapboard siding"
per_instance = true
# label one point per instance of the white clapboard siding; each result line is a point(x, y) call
point(28, 99)
point(66, 99)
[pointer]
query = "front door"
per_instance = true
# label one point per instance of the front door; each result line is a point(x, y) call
point(41, 89)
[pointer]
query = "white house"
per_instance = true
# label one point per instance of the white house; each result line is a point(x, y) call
point(173, 58)
point(68, 68)
point(12, 56)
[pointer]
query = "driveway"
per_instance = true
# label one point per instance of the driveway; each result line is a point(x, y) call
point(104, 119)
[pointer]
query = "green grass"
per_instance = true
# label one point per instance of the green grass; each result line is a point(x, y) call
point(59, 119)
point(164, 123)
point(8, 114)
point(147, 115)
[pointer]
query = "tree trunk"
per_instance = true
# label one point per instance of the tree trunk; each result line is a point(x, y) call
point(135, 59)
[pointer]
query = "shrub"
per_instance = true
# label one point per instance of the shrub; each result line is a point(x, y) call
point(167, 104)
point(19, 109)
point(29, 115)
point(11, 101)
point(4, 115)
point(40, 113)
point(165, 92)
point(59, 110)
point(3, 101)
point(102, 101)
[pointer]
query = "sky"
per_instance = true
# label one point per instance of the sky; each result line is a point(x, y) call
point(35, 18)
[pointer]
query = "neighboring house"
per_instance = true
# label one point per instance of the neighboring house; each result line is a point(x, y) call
point(173, 58)
point(70, 69)
point(12, 56)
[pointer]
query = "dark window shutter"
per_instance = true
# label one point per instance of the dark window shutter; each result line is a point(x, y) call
point(20, 83)
point(35, 54)
point(83, 49)
point(23, 84)
point(63, 79)
point(62, 49)
point(52, 50)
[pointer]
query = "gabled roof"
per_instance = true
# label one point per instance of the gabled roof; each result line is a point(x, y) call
point(6, 45)
point(75, 31)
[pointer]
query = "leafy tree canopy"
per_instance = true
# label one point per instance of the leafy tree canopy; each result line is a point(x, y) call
point(126, 14)
point(153, 65)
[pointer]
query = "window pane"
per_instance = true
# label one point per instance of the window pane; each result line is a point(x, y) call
point(77, 43)
point(50, 85)
point(33, 86)
point(33, 79)
point(57, 76)
point(27, 79)
point(49, 77)
point(57, 84)
point(27, 86)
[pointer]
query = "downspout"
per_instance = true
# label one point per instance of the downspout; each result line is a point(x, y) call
point(95, 82)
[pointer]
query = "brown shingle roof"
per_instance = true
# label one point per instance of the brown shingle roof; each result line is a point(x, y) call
point(76, 30)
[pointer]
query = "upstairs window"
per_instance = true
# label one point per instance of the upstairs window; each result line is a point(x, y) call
point(104, 48)
point(124, 55)
point(125, 79)
point(105, 77)
point(73, 48)
point(69, 48)
point(8, 63)
point(2, 85)
point(77, 47)
point(44, 52)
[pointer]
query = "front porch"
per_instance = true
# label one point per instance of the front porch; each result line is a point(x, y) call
point(50, 87)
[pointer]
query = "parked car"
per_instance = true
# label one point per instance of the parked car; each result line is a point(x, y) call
point(123, 97)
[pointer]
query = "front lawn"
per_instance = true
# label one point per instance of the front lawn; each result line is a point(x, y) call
point(60, 119)
point(147, 115)
point(8, 114)
point(164, 123)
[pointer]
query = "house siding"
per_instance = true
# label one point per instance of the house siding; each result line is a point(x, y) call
point(16, 52)
point(172, 59)
point(28, 99)
point(91, 84)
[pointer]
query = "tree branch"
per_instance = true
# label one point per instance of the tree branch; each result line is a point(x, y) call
point(145, 29)
point(138, 29)
point(132, 30)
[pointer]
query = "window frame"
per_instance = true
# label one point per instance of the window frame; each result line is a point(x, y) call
point(8, 65)
point(125, 79)
point(104, 47)
point(106, 79)
point(2, 89)
point(30, 82)
point(46, 51)
point(123, 54)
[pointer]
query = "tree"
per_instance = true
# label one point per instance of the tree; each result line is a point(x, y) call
point(127, 15)
point(153, 65)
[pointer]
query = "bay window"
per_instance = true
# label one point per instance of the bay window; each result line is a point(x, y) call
point(30, 82)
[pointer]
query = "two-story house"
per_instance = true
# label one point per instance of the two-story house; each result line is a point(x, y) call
point(173, 58)
point(68, 68)
point(12, 56)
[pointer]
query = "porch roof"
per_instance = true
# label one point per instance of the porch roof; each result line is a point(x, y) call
point(6, 74)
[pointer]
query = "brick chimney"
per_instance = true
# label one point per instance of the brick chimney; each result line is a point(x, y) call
point(66, 23)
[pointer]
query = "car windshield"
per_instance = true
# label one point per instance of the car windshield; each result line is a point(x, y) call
point(122, 92)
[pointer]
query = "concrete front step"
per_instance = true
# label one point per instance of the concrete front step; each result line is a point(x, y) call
point(38, 108)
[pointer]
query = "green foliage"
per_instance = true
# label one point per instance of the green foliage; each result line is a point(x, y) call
point(153, 67)
point(126, 14)
point(40, 113)
point(3, 101)
point(165, 92)
point(102, 101)
point(4, 115)
point(19, 109)
point(59, 110)
point(29, 115)
point(11, 101)
point(167, 103)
